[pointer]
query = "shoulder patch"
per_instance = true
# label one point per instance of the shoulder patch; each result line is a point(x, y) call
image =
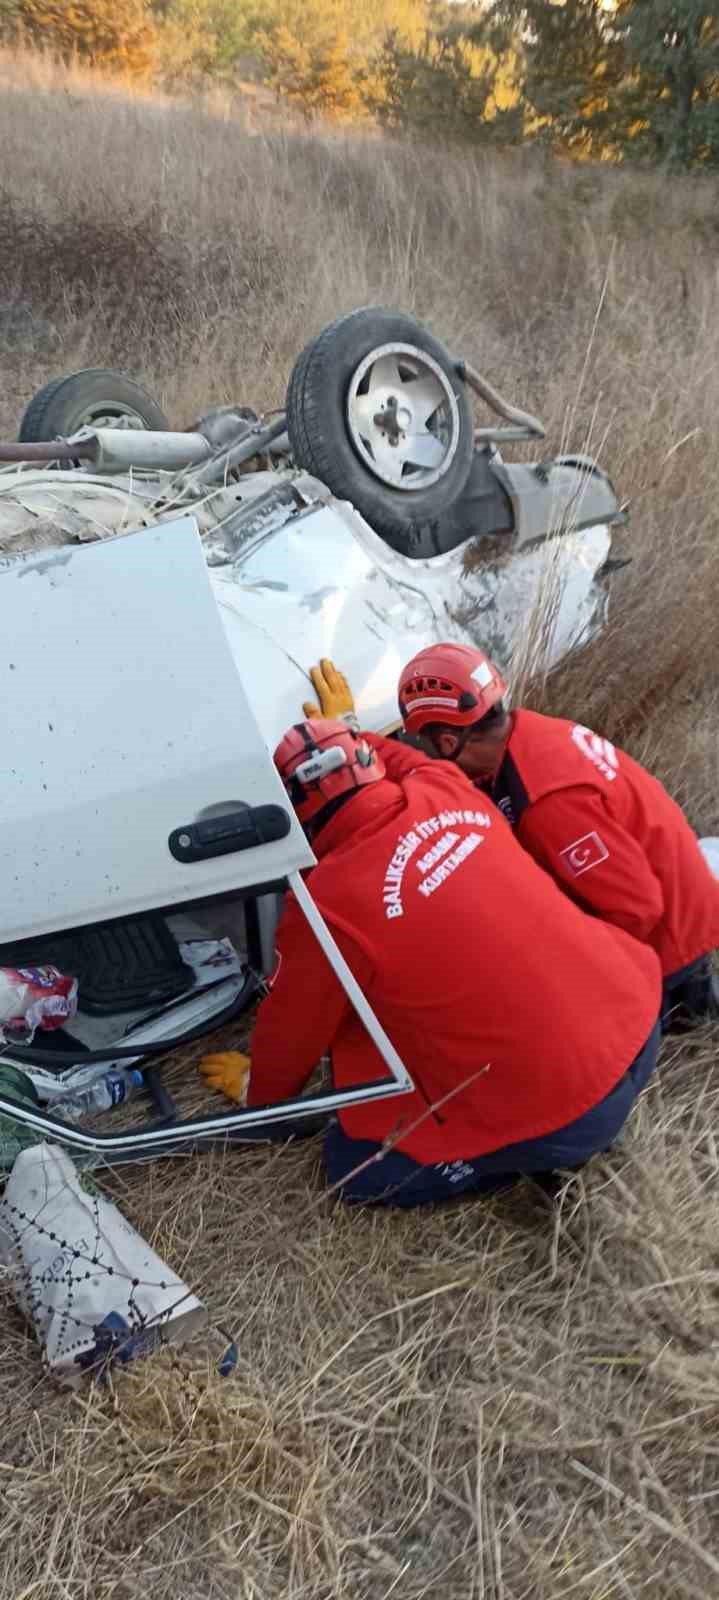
point(589, 851)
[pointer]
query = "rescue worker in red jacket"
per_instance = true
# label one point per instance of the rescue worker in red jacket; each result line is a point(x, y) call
point(605, 829)
point(527, 1027)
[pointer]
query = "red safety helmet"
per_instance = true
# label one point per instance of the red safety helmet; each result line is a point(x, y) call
point(448, 683)
point(321, 759)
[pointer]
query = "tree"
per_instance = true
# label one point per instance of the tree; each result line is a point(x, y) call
point(117, 35)
point(629, 78)
point(572, 65)
point(671, 88)
point(322, 54)
point(448, 85)
point(8, 18)
point(319, 78)
point(202, 37)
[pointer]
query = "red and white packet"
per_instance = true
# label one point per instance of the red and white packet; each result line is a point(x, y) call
point(32, 998)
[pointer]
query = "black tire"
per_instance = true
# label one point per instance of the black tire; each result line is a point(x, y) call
point(321, 441)
point(62, 407)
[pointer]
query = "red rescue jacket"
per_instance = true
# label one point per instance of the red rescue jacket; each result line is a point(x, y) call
point(488, 980)
point(610, 835)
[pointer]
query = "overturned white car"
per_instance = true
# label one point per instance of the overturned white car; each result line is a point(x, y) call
point(163, 595)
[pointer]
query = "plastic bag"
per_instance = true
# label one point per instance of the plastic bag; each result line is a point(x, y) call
point(210, 956)
point(94, 1291)
point(32, 998)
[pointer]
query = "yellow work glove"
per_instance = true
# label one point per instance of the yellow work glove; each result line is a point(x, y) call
point(229, 1073)
point(334, 695)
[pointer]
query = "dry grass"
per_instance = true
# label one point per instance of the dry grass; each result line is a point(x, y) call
point(504, 1400)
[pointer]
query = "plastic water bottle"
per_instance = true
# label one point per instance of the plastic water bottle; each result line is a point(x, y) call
point(118, 1085)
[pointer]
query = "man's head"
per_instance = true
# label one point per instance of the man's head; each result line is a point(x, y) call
point(452, 696)
point(322, 764)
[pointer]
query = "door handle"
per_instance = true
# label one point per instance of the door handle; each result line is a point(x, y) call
point(244, 829)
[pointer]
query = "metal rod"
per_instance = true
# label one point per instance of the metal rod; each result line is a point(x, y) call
point(492, 397)
point(349, 982)
point(53, 450)
point(500, 435)
point(118, 449)
point(229, 457)
point(195, 1131)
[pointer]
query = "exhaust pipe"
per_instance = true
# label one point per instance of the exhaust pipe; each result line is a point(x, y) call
point(60, 450)
point(118, 450)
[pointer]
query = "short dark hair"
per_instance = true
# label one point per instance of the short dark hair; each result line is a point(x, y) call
point(496, 714)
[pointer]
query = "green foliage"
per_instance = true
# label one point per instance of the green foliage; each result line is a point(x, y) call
point(321, 78)
point(447, 85)
point(639, 78)
point(600, 79)
point(408, 62)
point(671, 89)
point(206, 38)
point(572, 63)
point(323, 55)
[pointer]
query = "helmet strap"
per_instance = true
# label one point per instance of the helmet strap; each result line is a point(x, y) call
point(321, 818)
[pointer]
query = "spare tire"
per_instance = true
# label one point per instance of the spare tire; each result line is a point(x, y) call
point(376, 410)
point(92, 398)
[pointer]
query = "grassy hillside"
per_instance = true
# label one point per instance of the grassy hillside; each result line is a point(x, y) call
point(504, 1400)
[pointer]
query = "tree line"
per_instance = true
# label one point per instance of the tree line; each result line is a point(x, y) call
point(599, 79)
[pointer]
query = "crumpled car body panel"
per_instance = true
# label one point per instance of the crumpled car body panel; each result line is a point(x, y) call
point(298, 574)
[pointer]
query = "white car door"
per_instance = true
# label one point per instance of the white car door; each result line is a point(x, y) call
point(129, 748)
point(136, 777)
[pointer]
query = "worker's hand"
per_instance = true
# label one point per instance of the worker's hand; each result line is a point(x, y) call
point(334, 695)
point(228, 1072)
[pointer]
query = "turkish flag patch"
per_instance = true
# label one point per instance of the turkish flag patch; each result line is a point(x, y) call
point(586, 852)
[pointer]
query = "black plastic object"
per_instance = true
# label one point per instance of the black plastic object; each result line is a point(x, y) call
point(161, 1097)
point(483, 508)
point(133, 1052)
point(119, 966)
point(221, 836)
point(61, 1042)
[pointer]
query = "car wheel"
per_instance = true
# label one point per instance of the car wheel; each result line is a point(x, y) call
point(377, 411)
point(94, 398)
